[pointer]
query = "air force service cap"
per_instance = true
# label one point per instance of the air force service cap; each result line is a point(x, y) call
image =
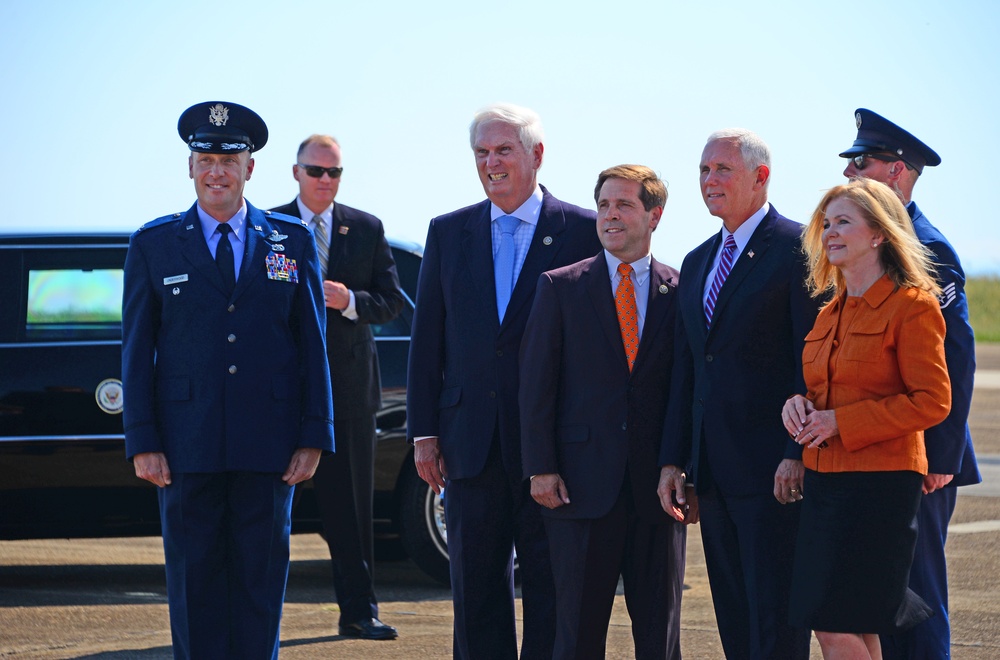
point(876, 134)
point(218, 127)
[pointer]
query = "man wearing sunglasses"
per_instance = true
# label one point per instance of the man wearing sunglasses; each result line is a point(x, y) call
point(885, 152)
point(361, 287)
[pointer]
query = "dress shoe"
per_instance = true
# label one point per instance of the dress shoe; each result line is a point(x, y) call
point(368, 629)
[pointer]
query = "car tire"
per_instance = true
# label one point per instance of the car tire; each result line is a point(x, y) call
point(422, 527)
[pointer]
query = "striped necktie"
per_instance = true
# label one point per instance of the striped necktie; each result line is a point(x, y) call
point(725, 265)
point(322, 243)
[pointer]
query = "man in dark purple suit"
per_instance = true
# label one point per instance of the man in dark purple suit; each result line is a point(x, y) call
point(595, 366)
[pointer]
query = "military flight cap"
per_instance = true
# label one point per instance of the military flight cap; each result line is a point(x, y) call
point(877, 135)
point(218, 127)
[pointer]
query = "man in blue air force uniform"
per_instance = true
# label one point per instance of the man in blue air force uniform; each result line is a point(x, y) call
point(886, 153)
point(229, 402)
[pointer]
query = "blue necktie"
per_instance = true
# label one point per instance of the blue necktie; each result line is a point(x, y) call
point(503, 264)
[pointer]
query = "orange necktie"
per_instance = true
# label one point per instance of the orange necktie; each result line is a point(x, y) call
point(628, 318)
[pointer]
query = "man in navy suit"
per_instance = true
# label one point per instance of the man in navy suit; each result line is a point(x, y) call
point(595, 365)
point(742, 318)
point(361, 287)
point(477, 281)
point(886, 153)
point(229, 402)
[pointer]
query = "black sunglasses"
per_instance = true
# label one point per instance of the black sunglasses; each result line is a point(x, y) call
point(861, 160)
point(315, 171)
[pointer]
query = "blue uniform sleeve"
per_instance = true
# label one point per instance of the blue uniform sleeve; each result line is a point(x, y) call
point(947, 442)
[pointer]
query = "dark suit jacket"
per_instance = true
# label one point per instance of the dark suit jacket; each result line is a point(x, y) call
point(462, 379)
point(731, 381)
point(583, 414)
point(949, 444)
point(362, 260)
point(223, 382)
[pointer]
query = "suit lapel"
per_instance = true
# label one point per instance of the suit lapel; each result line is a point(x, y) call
point(477, 248)
point(541, 253)
point(693, 297)
point(195, 249)
point(598, 286)
point(257, 227)
point(656, 308)
point(338, 239)
point(752, 255)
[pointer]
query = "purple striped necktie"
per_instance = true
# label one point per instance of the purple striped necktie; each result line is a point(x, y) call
point(725, 265)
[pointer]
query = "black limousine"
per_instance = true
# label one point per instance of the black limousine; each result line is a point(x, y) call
point(63, 472)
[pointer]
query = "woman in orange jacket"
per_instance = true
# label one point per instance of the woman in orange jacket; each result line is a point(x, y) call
point(876, 377)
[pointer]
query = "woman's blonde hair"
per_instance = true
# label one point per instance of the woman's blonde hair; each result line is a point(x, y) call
point(906, 261)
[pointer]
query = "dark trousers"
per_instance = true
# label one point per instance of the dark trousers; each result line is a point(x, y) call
point(929, 580)
point(749, 546)
point(225, 538)
point(343, 484)
point(588, 556)
point(487, 516)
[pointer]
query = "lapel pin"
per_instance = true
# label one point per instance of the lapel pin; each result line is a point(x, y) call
point(176, 291)
point(343, 230)
point(750, 254)
point(189, 227)
point(547, 240)
point(663, 288)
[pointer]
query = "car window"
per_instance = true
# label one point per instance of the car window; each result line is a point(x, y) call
point(73, 304)
point(69, 292)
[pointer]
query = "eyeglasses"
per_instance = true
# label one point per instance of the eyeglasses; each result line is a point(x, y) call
point(316, 172)
point(861, 160)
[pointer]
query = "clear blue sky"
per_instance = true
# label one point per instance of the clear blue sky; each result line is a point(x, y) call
point(91, 93)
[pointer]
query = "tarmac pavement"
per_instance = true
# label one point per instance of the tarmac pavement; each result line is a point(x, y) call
point(106, 598)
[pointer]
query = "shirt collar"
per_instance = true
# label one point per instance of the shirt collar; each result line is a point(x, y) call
point(745, 231)
point(527, 212)
point(209, 225)
point(306, 213)
point(640, 267)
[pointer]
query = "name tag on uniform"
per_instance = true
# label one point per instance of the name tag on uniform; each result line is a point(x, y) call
point(175, 279)
point(281, 268)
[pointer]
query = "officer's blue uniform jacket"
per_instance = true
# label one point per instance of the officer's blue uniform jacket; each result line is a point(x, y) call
point(949, 444)
point(225, 382)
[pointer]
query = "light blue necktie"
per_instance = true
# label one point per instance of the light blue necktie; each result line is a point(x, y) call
point(503, 264)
